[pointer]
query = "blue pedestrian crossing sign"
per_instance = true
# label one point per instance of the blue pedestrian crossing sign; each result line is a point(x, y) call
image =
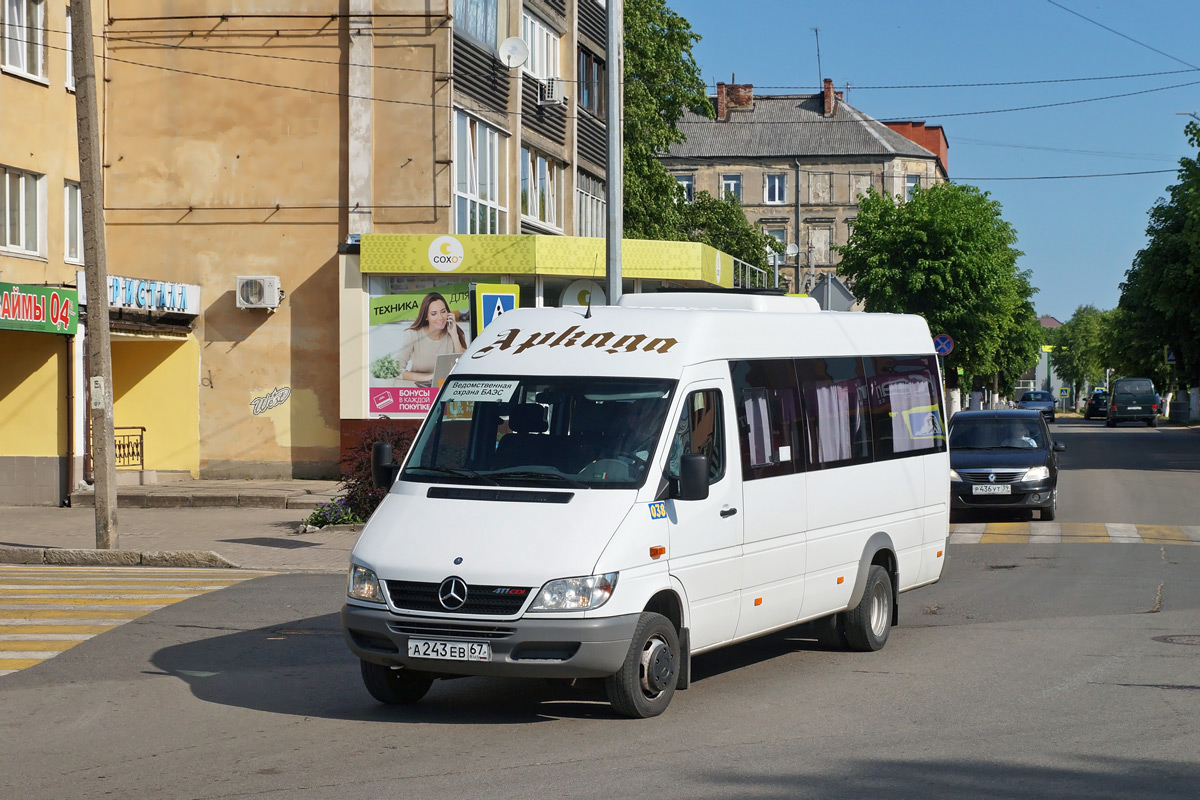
point(492, 300)
point(1064, 392)
point(943, 345)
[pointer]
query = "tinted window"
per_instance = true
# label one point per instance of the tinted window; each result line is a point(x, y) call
point(905, 406)
point(700, 429)
point(998, 433)
point(768, 411)
point(1134, 387)
point(837, 411)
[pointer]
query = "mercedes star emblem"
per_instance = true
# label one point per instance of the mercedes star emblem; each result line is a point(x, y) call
point(452, 594)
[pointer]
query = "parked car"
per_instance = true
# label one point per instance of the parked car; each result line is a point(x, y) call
point(1003, 459)
point(1038, 401)
point(1133, 399)
point(1097, 405)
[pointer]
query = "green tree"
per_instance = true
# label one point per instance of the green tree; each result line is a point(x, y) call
point(948, 255)
point(662, 83)
point(722, 224)
point(1079, 348)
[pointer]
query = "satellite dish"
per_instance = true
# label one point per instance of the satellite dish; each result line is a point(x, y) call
point(514, 52)
point(792, 249)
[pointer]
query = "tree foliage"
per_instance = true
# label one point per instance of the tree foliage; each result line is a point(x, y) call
point(947, 254)
point(1160, 297)
point(662, 83)
point(1079, 355)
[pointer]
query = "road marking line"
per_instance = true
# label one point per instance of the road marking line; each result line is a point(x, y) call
point(8, 665)
point(1122, 533)
point(29, 626)
point(1045, 533)
point(1163, 534)
point(1193, 531)
point(1073, 532)
point(1006, 533)
point(50, 637)
point(966, 533)
point(71, 614)
point(8, 646)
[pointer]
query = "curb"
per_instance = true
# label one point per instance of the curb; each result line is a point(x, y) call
point(64, 557)
point(168, 499)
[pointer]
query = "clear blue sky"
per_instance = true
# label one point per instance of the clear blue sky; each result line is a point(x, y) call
point(1079, 236)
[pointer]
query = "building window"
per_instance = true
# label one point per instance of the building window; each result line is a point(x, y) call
point(477, 161)
point(820, 188)
point(776, 189)
point(476, 19)
point(688, 182)
point(590, 206)
point(20, 211)
point(25, 37)
point(860, 184)
point(543, 47)
point(541, 179)
point(70, 48)
point(911, 182)
point(819, 241)
point(593, 84)
point(731, 185)
point(73, 223)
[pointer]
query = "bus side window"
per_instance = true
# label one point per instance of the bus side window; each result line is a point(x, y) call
point(700, 430)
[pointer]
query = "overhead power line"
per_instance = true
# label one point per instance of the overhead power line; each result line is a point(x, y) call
point(1118, 33)
point(987, 84)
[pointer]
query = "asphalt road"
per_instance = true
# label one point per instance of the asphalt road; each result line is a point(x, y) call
point(1030, 671)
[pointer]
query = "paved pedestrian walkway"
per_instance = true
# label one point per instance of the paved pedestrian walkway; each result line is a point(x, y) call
point(246, 524)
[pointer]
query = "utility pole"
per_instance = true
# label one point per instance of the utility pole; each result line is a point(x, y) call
point(99, 350)
point(615, 185)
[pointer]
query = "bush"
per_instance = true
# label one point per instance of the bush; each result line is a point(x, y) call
point(336, 513)
point(360, 494)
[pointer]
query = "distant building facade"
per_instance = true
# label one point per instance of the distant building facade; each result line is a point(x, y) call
point(798, 163)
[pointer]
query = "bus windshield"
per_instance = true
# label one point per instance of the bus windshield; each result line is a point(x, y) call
point(593, 433)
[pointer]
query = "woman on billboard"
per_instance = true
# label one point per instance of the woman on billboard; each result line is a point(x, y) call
point(435, 332)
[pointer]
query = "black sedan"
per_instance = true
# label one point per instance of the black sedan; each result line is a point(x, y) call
point(1003, 459)
point(1097, 406)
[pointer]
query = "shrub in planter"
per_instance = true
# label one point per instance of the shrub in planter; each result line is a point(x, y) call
point(358, 486)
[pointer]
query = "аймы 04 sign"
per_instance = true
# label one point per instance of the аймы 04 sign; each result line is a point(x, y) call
point(44, 309)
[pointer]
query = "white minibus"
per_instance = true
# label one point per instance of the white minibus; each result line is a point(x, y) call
point(607, 493)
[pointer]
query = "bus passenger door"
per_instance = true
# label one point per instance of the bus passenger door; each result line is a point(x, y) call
point(706, 535)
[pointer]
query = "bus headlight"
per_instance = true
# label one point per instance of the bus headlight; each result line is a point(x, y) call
point(363, 585)
point(576, 594)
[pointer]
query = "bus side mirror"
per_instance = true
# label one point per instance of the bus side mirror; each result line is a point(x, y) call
point(693, 477)
point(383, 468)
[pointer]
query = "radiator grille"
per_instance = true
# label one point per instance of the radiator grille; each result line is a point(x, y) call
point(1002, 475)
point(417, 596)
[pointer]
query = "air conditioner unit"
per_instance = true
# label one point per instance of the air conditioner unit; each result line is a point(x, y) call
point(258, 291)
point(552, 92)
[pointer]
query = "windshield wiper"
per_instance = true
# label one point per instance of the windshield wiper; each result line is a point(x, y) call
point(456, 472)
point(530, 474)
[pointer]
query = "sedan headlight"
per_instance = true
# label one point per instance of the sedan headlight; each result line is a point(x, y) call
point(363, 585)
point(954, 476)
point(576, 594)
point(1036, 474)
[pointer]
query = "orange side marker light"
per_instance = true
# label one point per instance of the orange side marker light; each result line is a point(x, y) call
point(758, 601)
point(657, 552)
point(939, 554)
point(840, 580)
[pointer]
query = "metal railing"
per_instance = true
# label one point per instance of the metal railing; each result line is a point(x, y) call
point(748, 276)
point(130, 448)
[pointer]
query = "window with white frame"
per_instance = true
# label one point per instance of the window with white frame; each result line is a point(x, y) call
point(477, 19)
point(688, 182)
point(911, 182)
point(73, 223)
point(541, 187)
point(21, 221)
point(779, 235)
point(70, 50)
point(543, 47)
point(731, 185)
point(591, 207)
point(25, 37)
point(478, 156)
point(775, 191)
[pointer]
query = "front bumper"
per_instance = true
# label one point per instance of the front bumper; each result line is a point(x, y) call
point(1031, 494)
point(523, 648)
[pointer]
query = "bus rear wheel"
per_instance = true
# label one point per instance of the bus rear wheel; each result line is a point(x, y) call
point(869, 623)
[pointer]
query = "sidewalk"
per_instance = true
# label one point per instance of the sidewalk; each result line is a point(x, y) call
point(228, 523)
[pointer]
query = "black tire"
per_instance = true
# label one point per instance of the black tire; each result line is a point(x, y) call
point(869, 623)
point(831, 632)
point(1087, 415)
point(1047, 514)
point(398, 687)
point(645, 683)
point(1110, 422)
point(1152, 422)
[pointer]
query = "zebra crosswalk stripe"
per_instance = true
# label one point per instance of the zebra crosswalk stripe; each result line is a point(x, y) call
point(1038, 532)
point(45, 611)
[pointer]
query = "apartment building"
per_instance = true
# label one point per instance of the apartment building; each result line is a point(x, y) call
point(798, 163)
point(284, 185)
